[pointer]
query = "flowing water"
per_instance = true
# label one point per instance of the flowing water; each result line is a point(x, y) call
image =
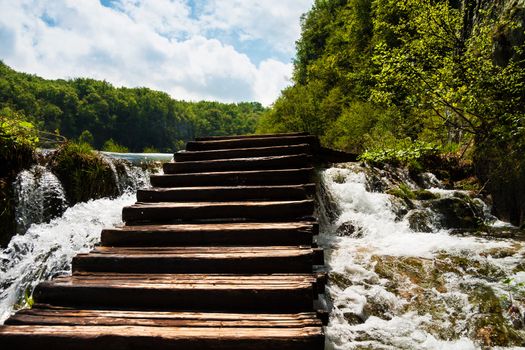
point(394, 286)
point(39, 197)
point(50, 233)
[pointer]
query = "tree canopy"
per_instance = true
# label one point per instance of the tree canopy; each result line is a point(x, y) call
point(135, 118)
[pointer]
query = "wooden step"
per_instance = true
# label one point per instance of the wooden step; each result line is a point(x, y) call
point(185, 156)
point(49, 315)
point(173, 338)
point(220, 234)
point(209, 138)
point(164, 212)
point(182, 292)
point(235, 178)
point(253, 163)
point(243, 260)
point(226, 193)
point(253, 142)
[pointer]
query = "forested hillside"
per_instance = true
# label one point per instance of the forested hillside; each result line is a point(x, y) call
point(103, 115)
point(400, 77)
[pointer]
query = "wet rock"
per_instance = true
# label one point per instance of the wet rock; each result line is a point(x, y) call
point(462, 264)
point(514, 233)
point(515, 316)
point(489, 326)
point(349, 229)
point(427, 180)
point(327, 209)
point(457, 212)
point(400, 207)
point(352, 318)
point(420, 220)
point(340, 280)
point(425, 195)
point(378, 307)
point(408, 276)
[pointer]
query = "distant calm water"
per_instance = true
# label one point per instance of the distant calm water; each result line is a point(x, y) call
point(139, 158)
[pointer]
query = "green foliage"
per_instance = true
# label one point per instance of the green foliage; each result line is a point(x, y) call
point(150, 150)
point(407, 153)
point(18, 139)
point(17, 131)
point(94, 111)
point(370, 70)
point(86, 137)
point(112, 146)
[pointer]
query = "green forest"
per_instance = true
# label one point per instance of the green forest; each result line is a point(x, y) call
point(393, 80)
point(118, 119)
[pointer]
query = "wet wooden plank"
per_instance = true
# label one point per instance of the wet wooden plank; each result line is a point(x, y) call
point(65, 316)
point(140, 337)
point(226, 193)
point(205, 234)
point(185, 156)
point(241, 260)
point(177, 211)
point(236, 178)
point(182, 292)
point(253, 142)
point(252, 163)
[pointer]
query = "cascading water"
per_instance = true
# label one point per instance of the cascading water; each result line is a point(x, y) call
point(47, 249)
point(39, 197)
point(41, 250)
point(396, 285)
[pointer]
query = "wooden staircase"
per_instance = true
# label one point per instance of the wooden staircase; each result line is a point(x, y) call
point(217, 255)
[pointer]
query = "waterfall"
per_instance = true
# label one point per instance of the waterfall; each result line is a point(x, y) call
point(396, 285)
point(49, 234)
point(46, 249)
point(39, 197)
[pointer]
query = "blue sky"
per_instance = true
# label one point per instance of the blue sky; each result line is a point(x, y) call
point(225, 50)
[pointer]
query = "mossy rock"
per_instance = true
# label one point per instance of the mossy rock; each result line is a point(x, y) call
point(420, 220)
point(458, 212)
point(419, 272)
point(425, 195)
point(83, 173)
point(339, 279)
point(489, 326)
point(461, 265)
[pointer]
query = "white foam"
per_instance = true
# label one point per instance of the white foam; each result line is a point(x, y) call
point(47, 249)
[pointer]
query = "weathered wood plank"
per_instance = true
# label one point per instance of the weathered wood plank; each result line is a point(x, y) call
point(299, 176)
point(140, 337)
point(251, 143)
point(178, 212)
point(210, 138)
point(185, 156)
point(253, 163)
point(64, 316)
point(205, 234)
point(241, 260)
point(226, 193)
point(230, 293)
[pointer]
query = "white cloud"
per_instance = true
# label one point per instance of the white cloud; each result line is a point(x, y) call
point(161, 44)
point(275, 20)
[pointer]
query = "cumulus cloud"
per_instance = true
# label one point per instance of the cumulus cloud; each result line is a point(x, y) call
point(187, 49)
